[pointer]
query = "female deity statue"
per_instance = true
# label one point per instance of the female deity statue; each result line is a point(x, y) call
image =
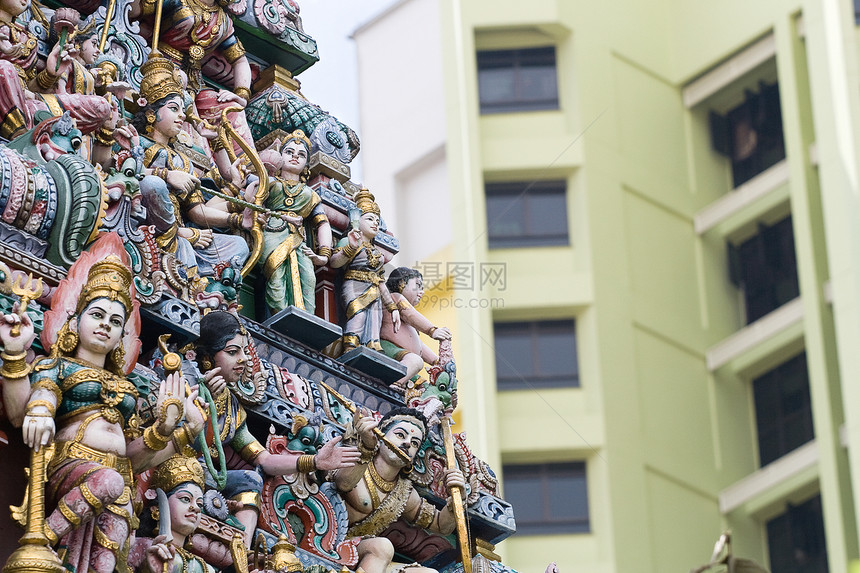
point(404, 344)
point(288, 260)
point(81, 403)
point(171, 184)
point(221, 356)
point(24, 89)
point(181, 479)
point(364, 291)
point(78, 79)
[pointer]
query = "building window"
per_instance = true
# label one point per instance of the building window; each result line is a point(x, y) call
point(536, 355)
point(517, 80)
point(751, 135)
point(796, 539)
point(548, 498)
point(766, 269)
point(783, 410)
point(527, 214)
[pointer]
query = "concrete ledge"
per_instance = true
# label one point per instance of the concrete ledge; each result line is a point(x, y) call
point(754, 334)
point(726, 206)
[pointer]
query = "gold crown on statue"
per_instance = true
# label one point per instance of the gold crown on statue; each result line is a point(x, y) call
point(110, 279)
point(366, 202)
point(297, 135)
point(160, 79)
point(178, 469)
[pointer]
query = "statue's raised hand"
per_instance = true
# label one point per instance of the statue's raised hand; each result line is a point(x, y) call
point(22, 342)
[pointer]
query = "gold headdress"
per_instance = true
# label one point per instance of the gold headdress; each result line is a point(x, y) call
point(110, 279)
point(160, 79)
point(177, 470)
point(297, 135)
point(366, 202)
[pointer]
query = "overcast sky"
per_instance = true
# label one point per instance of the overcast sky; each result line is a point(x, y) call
point(332, 83)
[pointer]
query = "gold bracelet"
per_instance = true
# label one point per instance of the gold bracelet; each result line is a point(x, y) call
point(366, 453)
point(306, 464)
point(432, 330)
point(390, 306)
point(52, 409)
point(104, 136)
point(45, 80)
point(243, 93)
point(324, 251)
point(180, 439)
point(153, 440)
point(39, 414)
point(216, 144)
point(350, 251)
point(14, 366)
point(235, 221)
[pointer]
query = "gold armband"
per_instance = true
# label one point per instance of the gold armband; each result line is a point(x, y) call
point(425, 515)
point(432, 330)
point(50, 386)
point(180, 439)
point(14, 366)
point(243, 93)
point(155, 441)
point(324, 251)
point(306, 464)
point(390, 306)
point(216, 144)
point(366, 453)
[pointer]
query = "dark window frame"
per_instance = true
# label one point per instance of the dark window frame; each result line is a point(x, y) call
point(765, 268)
point(783, 407)
point(516, 195)
point(548, 474)
point(750, 135)
point(517, 61)
point(796, 539)
point(535, 378)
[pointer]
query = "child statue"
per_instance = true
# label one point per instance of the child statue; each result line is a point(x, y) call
point(404, 344)
point(364, 291)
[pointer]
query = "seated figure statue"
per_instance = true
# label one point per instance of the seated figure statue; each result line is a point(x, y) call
point(377, 494)
point(404, 344)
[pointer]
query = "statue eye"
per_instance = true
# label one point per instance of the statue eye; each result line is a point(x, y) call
point(75, 142)
point(443, 387)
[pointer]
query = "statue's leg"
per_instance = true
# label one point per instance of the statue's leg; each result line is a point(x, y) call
point(15, 116)
point(84, 488)
point(245, 486)
point(112, 536)
point(375, 554)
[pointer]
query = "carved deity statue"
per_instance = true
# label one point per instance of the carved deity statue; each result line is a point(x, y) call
point(181, 478)
point(364, 292)
point(221, 355)
point(79, 401)
point(377, 494)
point(288, 261)
point(24, 89)
point(404, 344)
point(189, 226)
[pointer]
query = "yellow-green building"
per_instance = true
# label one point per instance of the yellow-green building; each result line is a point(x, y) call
point(664, 197)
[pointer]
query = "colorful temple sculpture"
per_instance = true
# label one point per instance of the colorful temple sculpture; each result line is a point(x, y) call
point(205, 366)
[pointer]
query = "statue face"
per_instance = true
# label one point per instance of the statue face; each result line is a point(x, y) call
point(100, 325)
point(414, 290)
point(369, 225)
point(185, 503)
point(90, 50)
point(305, 440)
point(294, 158)
point(232, 359)
point(170, 117)
point(406, 436)
point(14, 7)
